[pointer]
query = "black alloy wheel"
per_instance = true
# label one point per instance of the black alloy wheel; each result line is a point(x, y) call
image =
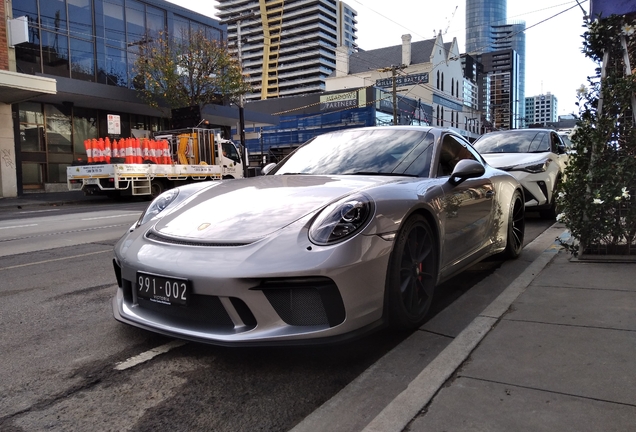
point(516, 227)
point(412, 274)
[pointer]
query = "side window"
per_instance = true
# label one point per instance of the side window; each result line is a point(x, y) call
point(556, 142)
point(451, 152)
point(229, 151)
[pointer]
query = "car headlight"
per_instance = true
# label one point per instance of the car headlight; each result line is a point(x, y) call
point(340, 220)
point(158, 205)
point(535, 167)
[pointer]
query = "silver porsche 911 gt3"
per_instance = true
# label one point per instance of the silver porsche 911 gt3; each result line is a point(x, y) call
point(351, 232)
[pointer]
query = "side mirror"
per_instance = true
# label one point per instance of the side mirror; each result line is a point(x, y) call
point(267, 168)
point(562, 149)
point(465, 169)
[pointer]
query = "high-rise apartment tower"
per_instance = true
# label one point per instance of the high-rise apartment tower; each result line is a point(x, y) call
point(288, 47)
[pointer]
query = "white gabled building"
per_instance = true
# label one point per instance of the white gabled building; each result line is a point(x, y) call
point(429, 71)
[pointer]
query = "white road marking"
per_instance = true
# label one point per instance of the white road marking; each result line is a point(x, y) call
point(148, 355)
point(110, 217)
point(18, 226)
point(55, 259)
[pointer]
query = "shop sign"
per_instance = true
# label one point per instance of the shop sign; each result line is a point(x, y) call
point(352, 99)
point(403, 81)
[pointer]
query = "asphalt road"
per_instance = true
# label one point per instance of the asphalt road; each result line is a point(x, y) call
point(68, 365)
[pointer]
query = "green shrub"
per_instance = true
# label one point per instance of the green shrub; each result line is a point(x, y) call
point(596, 198)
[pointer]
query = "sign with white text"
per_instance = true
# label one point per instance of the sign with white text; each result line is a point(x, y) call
point(404, 80)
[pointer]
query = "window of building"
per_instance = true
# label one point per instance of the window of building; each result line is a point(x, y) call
point(82, 60)
point(32, 174)
point(115, 69)
point(80, 18)
point(155, 21)
point(55, 54)
point(58, 128)
point(53, 15)
point(180, 28)
point(31, 127)
point(114, 24)
point(135, 23)
point(84, 127)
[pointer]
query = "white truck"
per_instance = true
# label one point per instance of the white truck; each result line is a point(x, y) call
point(195, 154)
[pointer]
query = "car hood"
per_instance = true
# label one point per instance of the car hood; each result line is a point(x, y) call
point(510, 160)
point(242, 211)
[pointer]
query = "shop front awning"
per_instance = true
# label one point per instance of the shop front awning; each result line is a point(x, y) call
point(18, 87)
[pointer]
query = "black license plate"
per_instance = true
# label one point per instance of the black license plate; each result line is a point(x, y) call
point(164, 290)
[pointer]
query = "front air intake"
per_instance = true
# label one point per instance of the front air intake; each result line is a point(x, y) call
point(305, 302)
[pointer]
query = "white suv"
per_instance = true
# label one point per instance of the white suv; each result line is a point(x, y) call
point(536, 157)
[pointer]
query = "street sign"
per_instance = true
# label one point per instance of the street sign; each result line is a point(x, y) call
point(404, 80)
point(114, 124)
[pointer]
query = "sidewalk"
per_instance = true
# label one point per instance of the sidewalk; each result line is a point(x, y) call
point(560, 357)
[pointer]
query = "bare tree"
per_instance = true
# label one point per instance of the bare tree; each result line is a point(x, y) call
point(189, 70)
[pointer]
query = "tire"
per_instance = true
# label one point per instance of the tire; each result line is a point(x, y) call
point(412, 274)
point(516, 227)
point(157, 187)
point(553, 210)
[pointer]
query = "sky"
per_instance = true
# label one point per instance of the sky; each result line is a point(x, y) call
point(554, 62)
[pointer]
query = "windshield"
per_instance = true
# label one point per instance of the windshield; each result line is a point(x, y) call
point(383, 150)
point(526, 141)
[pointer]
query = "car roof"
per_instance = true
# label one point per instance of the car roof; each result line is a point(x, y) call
point(529, 130)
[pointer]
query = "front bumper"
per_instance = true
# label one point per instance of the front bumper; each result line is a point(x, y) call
point(278, 290)
point(537, 188)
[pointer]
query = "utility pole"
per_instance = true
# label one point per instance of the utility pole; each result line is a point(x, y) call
point(393, 70)
point(241, 102)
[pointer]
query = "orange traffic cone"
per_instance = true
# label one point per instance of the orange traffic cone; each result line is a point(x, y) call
point(129, 151)
point(99, 157)
point(115, 150)
point(89, 150)
point(145, 152)
point(107, 150)
point(95, 150)
point(153, 151)
point(138, 154)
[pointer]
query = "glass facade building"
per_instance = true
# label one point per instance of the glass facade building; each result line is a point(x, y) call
point(90, 48)
point(488, 31)
point(480, 16)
